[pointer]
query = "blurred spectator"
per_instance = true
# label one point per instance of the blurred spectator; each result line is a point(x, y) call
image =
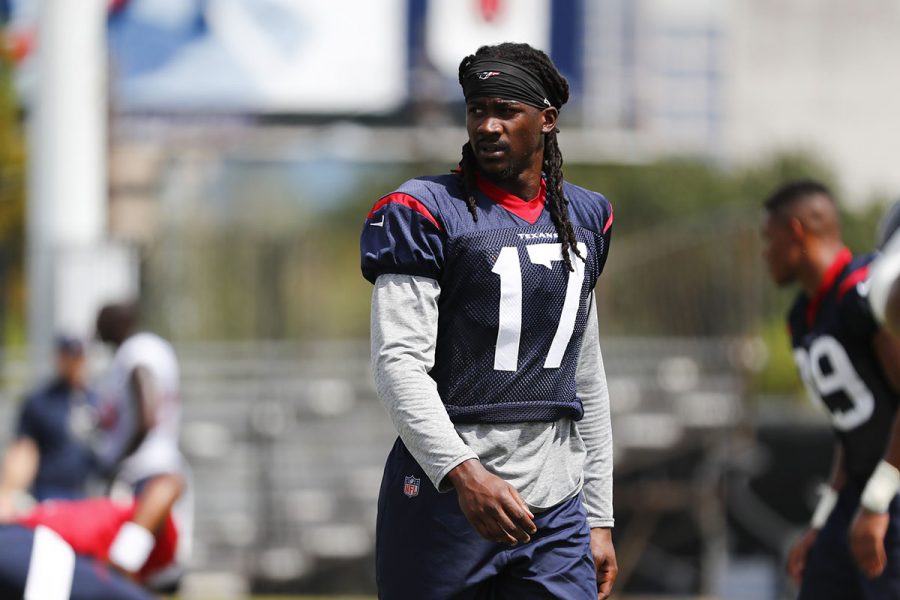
point(51, 457)
point(140, 414)
point(88, 528)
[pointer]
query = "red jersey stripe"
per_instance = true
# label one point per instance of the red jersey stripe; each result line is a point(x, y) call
point(857, 276)
point(407, 201)
point(828, 279)
point(527, 210)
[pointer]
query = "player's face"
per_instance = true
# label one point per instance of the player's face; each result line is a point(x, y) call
point(507, 136)
point(782, 249)
point(70, 366)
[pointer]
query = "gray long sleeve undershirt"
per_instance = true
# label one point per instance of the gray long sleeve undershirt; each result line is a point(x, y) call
point(546, 463)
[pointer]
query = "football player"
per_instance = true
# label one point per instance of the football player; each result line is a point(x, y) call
point(140, 414)
point(486, 355)
point(851, 366)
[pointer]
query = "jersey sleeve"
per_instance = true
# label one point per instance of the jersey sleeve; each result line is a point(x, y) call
point(606, 232)
point(593, 212)
point(402, 236)
point(599, 219)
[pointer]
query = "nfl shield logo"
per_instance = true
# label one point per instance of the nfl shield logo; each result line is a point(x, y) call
point(411, 486)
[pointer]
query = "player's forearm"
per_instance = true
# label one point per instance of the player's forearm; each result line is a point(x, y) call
point(887, 352)
point(19, 466)
point(595, 428)
point(892, 451)
point(404, 333)
point(828, 495)
point(884, 482)
point(422, 424)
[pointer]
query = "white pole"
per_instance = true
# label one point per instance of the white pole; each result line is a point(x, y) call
point(67, 190)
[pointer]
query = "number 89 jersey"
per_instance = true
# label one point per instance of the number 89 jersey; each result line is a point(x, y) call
point(511, 315)
point(832, 335)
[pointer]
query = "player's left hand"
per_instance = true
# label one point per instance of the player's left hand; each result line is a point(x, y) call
point(867, 542)
point(604, 561)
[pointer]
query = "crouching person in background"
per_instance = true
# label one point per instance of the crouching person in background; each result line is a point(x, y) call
point(64, 550)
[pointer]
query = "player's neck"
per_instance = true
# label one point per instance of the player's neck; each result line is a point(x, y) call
point(525, 184)
point(519, 185)
point(820, 259)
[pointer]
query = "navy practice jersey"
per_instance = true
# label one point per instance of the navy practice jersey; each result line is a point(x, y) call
point(832, 335)
point(511, 316)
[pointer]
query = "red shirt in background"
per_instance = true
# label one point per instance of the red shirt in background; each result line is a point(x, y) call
point(90, 526)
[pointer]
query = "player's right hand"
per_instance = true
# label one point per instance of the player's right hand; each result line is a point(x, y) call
point(797, 557)
point(492, 506)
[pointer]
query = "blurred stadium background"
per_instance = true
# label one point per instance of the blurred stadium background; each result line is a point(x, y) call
point(217, 157)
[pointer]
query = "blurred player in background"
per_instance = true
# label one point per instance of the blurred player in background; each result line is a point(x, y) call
point(851, 365)
point(486, 354)
point(140, 415)
point(89, 528)
point(51, 456)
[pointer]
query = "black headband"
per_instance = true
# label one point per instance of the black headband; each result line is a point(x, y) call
point(497, 78)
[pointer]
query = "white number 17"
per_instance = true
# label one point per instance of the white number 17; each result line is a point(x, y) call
point(509, 332)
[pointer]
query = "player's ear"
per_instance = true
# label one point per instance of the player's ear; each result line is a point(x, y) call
point(549, 118)
point(795, 225)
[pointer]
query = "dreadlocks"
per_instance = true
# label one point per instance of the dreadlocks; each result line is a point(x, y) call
point(557, 88)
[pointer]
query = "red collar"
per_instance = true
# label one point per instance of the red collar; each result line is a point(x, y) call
point(841, 261)
point(528, 210)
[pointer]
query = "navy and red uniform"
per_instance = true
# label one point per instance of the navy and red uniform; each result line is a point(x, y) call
point(832, 335)
point(511, 319)
point(89, 527)
point(522, 370)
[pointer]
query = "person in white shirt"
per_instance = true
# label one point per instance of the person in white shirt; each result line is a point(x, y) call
point(140, 414)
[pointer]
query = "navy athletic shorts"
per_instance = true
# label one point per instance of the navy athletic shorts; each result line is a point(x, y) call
point(92, 580)
point(426, 549)
point(831, 573)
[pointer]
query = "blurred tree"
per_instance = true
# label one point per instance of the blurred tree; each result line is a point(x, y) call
point(12, 206)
